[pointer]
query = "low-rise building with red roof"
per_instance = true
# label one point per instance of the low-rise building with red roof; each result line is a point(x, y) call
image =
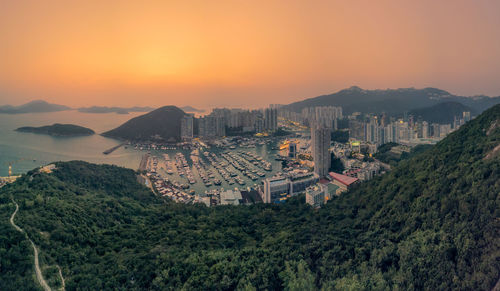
point(342, 181)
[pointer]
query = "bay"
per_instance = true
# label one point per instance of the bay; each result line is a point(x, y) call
point(26, 151)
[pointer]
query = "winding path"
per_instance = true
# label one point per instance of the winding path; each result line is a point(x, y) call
point(38, 272)
point(63, 283)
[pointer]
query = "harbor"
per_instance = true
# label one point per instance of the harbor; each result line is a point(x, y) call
point(189, 174)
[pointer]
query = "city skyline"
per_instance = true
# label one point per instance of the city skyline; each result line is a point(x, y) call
point(241, 54)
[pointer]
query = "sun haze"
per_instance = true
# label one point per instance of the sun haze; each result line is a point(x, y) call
point(241, 53)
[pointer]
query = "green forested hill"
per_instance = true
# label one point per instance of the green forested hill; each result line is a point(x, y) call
point(162, 124)
point(432, 223)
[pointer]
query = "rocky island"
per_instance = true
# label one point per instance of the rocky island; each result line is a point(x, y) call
point(58, 129)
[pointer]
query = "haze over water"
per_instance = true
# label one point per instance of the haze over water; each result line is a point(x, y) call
point(28, 150)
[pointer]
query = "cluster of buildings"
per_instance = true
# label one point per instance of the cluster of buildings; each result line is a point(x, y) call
point(406, 130)
point(325, 116)
point(222, 121)
point(366, 133)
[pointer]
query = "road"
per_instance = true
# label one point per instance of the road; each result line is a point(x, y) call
point(63, 283)
point(39, 275)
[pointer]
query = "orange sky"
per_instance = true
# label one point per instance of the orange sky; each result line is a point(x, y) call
point(241, 53)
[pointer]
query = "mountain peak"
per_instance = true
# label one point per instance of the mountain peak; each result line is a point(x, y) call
point(354, 88)
point(36, 101)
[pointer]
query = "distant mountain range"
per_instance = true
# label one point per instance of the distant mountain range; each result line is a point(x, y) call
point(391, 101)
point(58, 129)
point(36, 106)
point(191, 109)
point(118, 110)
point(162, 124)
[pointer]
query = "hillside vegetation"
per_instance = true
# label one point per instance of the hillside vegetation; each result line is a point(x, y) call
point(432, 223)
point(162, 124)
point(58, 129)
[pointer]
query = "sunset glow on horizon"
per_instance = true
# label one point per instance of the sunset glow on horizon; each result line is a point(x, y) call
point(241, 53)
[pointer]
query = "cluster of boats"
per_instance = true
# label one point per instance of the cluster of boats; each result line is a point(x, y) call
point(183, 168)
point(166, 188)
point(227, 173)
point(256, 160)
point(240, 164)
point(248, 164)
point(205, 173)
point(212, 168)
point(171, 190)
point(168, 164)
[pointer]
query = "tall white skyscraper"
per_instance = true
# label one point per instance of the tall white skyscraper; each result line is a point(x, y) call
point(320, 143)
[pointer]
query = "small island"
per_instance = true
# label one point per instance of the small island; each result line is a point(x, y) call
point(58, 129)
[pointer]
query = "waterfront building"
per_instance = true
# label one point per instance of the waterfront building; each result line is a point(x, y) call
point(271, 119)
point(259, 123)
point(278, 189)
point(187, 126)
point(211, 126)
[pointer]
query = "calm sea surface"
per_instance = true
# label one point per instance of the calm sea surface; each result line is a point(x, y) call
point(27, 151)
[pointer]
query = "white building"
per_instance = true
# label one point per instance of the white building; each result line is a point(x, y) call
point(278, 189)
point(315, 195)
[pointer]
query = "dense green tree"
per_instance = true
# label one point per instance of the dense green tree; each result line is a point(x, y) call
point(431, 223)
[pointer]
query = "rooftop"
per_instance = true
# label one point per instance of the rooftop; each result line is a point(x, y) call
point(346, 180)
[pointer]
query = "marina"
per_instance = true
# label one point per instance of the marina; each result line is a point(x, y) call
point(205, 171)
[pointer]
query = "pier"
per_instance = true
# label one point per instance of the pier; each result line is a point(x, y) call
point(108, 151)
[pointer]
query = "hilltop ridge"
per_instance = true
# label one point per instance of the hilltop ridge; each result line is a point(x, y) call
point(391, 101)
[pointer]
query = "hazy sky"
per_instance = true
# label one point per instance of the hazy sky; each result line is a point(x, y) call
point(242, 53)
